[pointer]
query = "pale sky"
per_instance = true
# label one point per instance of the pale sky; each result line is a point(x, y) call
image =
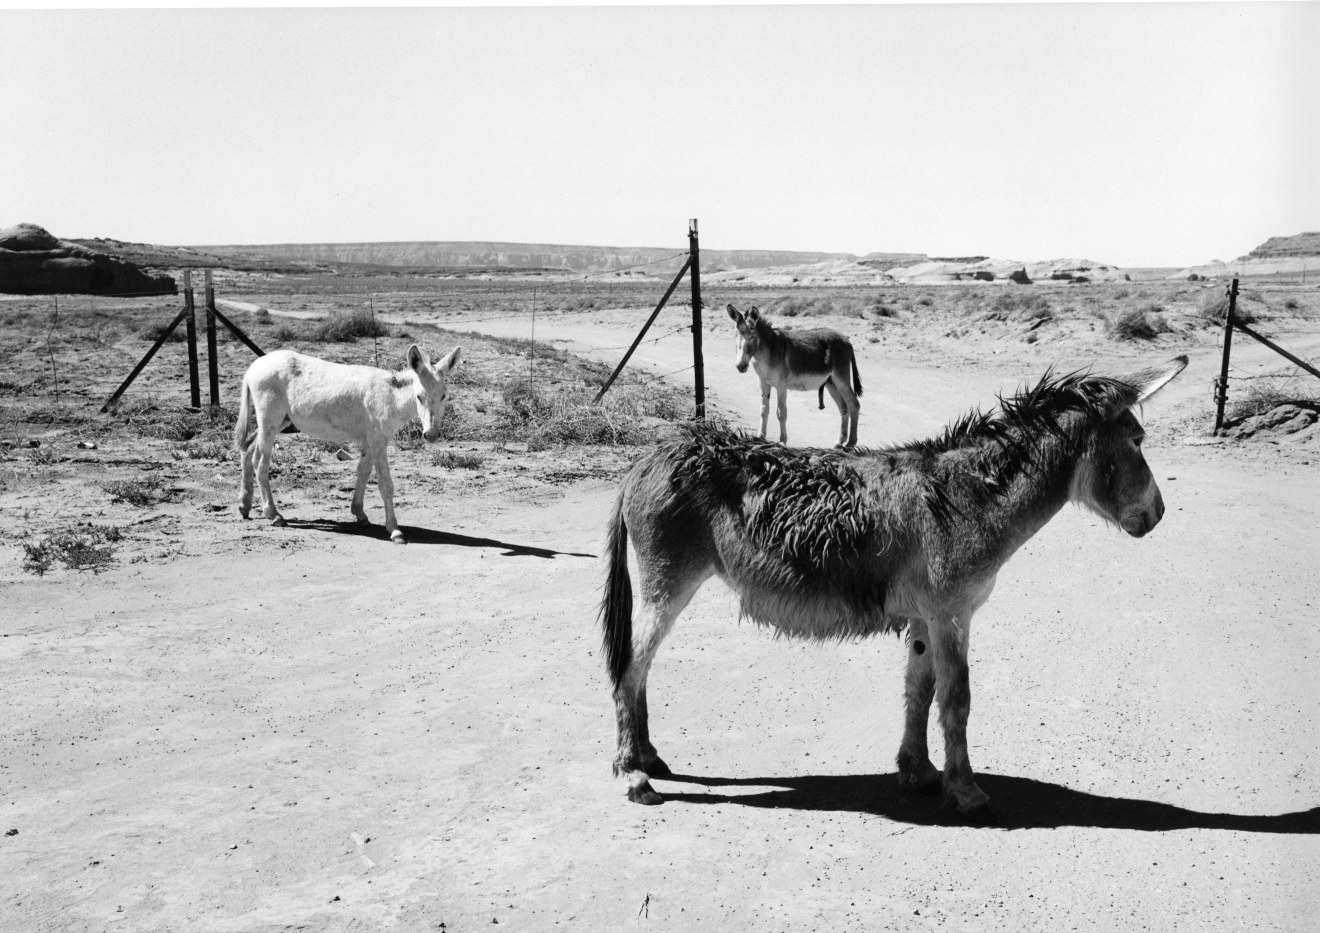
point(1145, 134)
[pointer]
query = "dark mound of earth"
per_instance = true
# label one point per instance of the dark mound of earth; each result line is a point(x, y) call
point(34, 262)
point(1291, 418)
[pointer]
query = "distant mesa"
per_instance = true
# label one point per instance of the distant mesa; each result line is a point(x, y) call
point(1282, 247)
point(1279, 255)
point(34, 262)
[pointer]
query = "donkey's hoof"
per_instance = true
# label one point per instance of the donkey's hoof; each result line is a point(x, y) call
point(644, 794)
point(361, 520)
point(244, 512)
point(397, 537)
point(916, 774)
point(279, 522)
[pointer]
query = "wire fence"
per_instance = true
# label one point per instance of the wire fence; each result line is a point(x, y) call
point(544, 299)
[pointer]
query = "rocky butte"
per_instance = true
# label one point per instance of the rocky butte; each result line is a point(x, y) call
point(34, 262)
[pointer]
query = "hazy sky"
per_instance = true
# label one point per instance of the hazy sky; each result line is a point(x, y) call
point(1145, 134)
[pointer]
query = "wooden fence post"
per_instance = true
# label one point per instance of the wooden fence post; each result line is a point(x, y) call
point(194, 387)
point(1221, 387)
point(698, 364)
point(213, 364)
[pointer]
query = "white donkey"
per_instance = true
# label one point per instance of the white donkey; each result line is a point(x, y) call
point(336, 402)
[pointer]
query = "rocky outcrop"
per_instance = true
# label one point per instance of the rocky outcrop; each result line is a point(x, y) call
point(33, 262)
point(1287, 247)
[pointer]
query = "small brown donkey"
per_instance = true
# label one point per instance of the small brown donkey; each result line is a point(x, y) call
point(817, 359)
point(841, 544)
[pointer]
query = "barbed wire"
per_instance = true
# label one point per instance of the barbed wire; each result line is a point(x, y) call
point(650, 340)
point(647, 382)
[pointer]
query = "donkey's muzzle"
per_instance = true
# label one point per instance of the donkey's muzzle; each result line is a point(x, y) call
point(1139, 522)
point(741, 366)
point(432, 434)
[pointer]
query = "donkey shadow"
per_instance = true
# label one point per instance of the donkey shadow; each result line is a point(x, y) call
point(416, 535)
point(1019, 803)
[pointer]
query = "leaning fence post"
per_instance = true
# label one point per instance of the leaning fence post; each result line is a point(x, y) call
point(698, 366)
point(194, 388)
point(142, 364)
point(642, 333)
point(1221, 386)
point(213, 364)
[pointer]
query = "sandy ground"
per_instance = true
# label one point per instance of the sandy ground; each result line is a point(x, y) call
point(311, 729)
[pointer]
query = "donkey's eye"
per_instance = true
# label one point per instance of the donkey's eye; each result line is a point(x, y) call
point(1138, 440)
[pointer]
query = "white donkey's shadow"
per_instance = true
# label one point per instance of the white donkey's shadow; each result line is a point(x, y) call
point(417, 535)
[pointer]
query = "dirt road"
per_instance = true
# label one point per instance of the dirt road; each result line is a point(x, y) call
point(307, 729)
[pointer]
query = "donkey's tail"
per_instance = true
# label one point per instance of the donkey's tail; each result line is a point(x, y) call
point(244, 431)
point(857, 377)
point(616, 607)
point(820, 395)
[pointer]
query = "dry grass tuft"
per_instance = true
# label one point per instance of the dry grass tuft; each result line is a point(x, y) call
point(148, 491)
point(347, 326)
point(1144, 323)
point(81, 547)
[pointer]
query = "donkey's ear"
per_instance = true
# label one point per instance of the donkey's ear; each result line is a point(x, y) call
point(754, 314)
point(447, 364)
point(417, 357)
point(734, 313)
point(1149, 381)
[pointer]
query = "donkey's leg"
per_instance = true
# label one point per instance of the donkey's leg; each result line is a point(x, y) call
point(765, 408)
point(247, 474)
point(386, 484)
point(781, 393)
point(652, 763)
point(915, 771)
point(661, 602)
point(850, 406)
point(365, 463)
point(843, 412)
point(949, 640)
point(264, 450)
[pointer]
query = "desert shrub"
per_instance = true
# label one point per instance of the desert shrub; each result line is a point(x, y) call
point(83, 547)
point(454, 460)
point(262, 317)
point(208, 450)
point(1292, 304)
point(1213, 308)
point(346, 326)
point(1022, 305)
point(179, 424)
point(1138, 324)
point(147, 491)
point(625, 416)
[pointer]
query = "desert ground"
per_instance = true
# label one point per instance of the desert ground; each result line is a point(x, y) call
point(214, 724)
